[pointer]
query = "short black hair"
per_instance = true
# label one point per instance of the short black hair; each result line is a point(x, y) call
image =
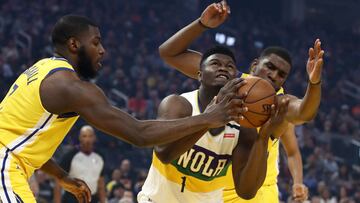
point(70, 26)
point(279, 51)
point(217, 50)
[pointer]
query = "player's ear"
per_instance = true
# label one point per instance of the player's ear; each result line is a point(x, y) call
point(253, 65)
point(199, 75)
point(73, 44)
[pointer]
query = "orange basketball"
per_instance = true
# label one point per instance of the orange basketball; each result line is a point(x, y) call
point(260, 96)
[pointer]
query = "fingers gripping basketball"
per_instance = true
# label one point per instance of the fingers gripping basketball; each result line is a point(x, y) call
point(260, 96)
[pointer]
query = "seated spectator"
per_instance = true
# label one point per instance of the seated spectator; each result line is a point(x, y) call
point(117, 192)
point(115, 178)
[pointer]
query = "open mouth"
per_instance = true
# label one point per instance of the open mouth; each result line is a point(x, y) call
point(224, 76)
point(98, 65)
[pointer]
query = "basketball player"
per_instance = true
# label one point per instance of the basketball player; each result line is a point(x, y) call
point(273, 65)
point(190, 169)
point(46, 100)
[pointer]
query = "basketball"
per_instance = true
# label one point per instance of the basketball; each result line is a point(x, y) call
point(260, 96)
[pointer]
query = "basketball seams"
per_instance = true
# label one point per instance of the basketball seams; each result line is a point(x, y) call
point(254, 126)
point(255, 116)
point(254, 112)
point(251, 88)
point(273, 94)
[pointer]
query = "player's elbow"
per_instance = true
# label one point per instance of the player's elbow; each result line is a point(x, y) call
point(246, 194)
point(246, 190)
point(162, 51)
point(310, 117)
point(139, 141)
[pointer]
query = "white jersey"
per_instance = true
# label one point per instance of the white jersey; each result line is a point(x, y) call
point(195, 176)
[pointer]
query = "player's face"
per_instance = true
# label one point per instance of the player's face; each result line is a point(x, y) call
point(90, 53)
point(272, 68)
point(217, 70)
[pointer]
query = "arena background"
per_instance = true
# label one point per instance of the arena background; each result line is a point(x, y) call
point(135, 79)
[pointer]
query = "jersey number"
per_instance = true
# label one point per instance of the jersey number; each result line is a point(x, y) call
point(183, 183)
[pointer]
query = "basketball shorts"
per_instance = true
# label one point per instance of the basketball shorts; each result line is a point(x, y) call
point(14, 186)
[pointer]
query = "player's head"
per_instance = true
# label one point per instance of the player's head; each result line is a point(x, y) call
point(80, 38)
point(217, 67)
point(274, 65)
point(87, 138)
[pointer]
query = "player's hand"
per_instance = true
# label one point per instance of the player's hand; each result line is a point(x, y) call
point(76, 187)
point(315, 62)
point(300, 192)
point(231, 87)
point(277, 118)
point(215, 14)
point(228, 109)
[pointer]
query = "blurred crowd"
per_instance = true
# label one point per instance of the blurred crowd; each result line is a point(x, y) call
point(135, 79)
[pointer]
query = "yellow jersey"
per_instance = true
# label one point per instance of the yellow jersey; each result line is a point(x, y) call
point(27, 130)
point(272, 166)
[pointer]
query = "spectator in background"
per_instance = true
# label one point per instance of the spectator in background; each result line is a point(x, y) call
point(85, 164)
point(35, 189)
point(142, 174)
point(128, 197)
point(343, 196)
point(126, 170)
point(116, 193)
point(138, 104)
point(46, 187)
point(327, 197)
point(115, 179)
point(343, 177)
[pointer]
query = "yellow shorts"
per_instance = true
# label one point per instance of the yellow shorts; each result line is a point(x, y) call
point(14, 187)
point(266, 194)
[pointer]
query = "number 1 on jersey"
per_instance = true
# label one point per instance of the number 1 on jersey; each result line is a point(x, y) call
point(183, 183)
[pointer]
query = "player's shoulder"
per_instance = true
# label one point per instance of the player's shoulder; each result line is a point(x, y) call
point(175, 100)
point(56, 63)
point(175, 105)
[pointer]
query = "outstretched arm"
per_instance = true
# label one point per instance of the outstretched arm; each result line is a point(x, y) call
point(289, 141)
point(175, 52)
point(305, 109)
point(249, 160)
point(63, 92)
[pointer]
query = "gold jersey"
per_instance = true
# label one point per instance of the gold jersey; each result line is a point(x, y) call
point(229, 194)
point(28, 132)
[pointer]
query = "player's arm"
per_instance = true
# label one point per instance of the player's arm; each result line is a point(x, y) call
point(175, 52)
point(289, 141)
point(249, 159)
point(173, 107)
point(101, 189)
point(64, 92)
point(73, 185)
point(57, 192)
point(305, 109)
